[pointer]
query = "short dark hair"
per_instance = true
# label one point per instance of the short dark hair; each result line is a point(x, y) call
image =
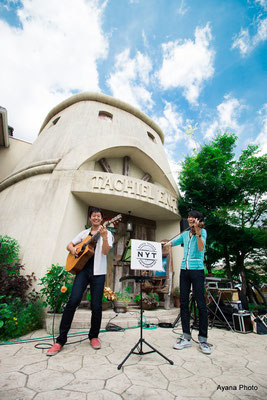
point(196, 214)
point(97, 210)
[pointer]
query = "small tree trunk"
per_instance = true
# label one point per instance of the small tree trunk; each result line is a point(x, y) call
point(227, 263)
point(241, 267)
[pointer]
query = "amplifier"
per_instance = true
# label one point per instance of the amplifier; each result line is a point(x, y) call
point(242, 322)
point(218, 283)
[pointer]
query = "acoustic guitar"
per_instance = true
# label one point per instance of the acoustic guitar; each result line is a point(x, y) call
point(86, 249)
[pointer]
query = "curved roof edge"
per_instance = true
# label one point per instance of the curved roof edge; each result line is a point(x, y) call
point(102, 98)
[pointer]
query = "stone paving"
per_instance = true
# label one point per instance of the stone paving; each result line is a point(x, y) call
point(236, 369)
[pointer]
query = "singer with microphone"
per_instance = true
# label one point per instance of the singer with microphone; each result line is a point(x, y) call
point(192, 273)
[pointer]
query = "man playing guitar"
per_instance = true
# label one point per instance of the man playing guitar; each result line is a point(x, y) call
point(94, 273)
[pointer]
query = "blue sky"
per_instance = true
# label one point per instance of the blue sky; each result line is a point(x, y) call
point(192, 66)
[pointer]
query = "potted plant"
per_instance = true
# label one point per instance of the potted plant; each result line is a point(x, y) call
point(107, 298)
point(149, 300)
point(122, 300)
point(57, 284)
point(176, 296)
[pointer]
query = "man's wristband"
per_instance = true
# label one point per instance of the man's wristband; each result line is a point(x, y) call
point(198, 236)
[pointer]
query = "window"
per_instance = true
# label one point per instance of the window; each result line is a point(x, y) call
point(106, 116)
point(54, 122)
point(152, 137)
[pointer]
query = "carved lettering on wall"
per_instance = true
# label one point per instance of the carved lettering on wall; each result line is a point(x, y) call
point(134, 188)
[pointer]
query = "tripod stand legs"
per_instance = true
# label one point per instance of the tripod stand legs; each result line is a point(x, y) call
point(176, 320)
point(141, 340)
point(141, 352)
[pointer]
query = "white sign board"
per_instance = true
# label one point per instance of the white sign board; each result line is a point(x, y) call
point(146, 255)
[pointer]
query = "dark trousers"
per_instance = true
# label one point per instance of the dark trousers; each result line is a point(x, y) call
point(81, 281)
point(196, 279)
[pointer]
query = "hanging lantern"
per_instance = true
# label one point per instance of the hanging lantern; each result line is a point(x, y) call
point(129, 224)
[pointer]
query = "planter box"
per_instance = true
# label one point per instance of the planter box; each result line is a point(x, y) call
point(119, 306)
point(176, 301)
point(106, 305)
point(50, 320)
point(146, 306)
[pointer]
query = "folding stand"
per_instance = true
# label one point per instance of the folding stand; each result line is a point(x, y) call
point(215, 313)
point(141, 279)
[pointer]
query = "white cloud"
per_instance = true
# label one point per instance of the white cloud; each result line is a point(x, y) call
point(182, 10)
point(129, 80)
point(52, 55)
point(171, 123)
point(242, 42)
point(246, 43)
point(188, 64)
point(145, 41)
point(227, 117)
point(261, 139)
point(263, 4)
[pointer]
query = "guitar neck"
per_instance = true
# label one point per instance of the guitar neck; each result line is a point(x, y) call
point(97, 234)
point(94, 238)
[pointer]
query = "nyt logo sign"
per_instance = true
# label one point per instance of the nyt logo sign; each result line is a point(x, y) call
point(146, 255)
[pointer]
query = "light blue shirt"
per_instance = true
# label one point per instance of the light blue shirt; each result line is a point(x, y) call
point(193, 258)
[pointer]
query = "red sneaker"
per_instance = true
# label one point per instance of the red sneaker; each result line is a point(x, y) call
point(95, 343)
point(54, 349)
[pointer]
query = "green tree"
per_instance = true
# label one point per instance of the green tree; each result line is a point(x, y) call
point(231, 194)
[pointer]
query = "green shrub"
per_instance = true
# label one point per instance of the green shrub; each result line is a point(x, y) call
point(148, 298)
point(17, 317)
point(9, 250)
point(219, 273)
point(124, 296)
point(57, 284)
point(12, 283)
point(20, 310)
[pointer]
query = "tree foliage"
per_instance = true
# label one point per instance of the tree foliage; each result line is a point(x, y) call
point(231, 193)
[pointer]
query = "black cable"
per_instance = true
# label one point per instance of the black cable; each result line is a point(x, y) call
point(113, 327)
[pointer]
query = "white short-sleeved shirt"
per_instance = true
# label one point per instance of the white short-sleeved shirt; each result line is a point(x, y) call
point(100, 259)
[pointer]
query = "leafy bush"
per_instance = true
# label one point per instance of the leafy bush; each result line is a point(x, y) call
point(124, 296)
point(20, 310)
point(12, 283)
point(57, 284)
point(18, 317)
point(147, 298)
point(9, 250)
point(219, 273)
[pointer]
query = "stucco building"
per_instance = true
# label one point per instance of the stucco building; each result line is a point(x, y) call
point(92, 150)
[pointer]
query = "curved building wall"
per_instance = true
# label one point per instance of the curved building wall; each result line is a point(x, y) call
point(47, 195)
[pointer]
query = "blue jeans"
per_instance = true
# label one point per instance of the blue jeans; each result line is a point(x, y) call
point(196, 278)
point(81, 281)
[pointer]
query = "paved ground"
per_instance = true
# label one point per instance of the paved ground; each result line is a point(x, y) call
point(236, 369)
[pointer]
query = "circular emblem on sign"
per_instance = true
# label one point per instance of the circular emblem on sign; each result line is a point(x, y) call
point(147, 255)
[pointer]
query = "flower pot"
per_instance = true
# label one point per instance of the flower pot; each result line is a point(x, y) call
point(119, 306)
point(50, 320)
point(146, 306)
point(176, 301)
point(106, 305)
